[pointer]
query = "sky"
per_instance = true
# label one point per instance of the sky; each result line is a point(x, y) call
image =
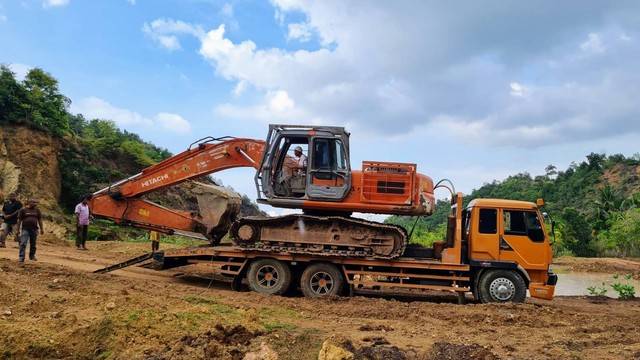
point(471, 91)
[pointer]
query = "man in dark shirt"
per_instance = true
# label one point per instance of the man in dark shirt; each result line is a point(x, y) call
point(29, 220)
point(10, 214)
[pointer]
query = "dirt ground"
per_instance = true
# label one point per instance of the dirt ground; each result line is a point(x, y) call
point(56, 308)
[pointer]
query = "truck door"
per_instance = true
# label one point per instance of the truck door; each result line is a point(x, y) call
point(522, 238)
point(329, 173)
point(484, 245)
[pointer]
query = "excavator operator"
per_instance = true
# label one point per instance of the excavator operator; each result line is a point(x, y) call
point(302, 161)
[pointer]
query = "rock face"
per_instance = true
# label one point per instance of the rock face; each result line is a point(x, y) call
point(29, 165)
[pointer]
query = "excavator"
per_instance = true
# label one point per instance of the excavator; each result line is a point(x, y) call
point(328, 192)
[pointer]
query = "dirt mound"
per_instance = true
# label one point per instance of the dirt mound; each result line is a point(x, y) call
point(601, 265)
point(225, 342)
point(448, 351)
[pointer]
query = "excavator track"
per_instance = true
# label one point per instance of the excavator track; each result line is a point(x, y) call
point(319, 235)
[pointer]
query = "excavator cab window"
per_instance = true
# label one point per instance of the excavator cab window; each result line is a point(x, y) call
point(329, 171)
point(288, 175)
point(326, 175)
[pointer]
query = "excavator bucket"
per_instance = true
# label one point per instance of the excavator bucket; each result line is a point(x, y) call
point(219, 208)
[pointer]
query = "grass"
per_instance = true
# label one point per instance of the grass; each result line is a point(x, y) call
point(134, 315)
point(276, 325)
point(280, 312)
point(201, 300)
point(216, 306)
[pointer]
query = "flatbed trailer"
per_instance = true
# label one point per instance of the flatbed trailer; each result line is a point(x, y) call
point(495, 249)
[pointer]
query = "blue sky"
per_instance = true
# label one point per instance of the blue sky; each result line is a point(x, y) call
point(470, 91)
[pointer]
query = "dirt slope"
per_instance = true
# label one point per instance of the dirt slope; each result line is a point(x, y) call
point(57, 308)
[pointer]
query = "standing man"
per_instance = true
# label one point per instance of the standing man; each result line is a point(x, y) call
point(29, 220)
point(154, 236)
point(83, 217)
point(10, 211)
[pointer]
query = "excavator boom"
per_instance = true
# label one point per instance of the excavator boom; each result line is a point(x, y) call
point(219, 207)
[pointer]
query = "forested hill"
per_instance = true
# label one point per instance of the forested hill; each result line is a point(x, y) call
point(596, 205)
point(89, 153)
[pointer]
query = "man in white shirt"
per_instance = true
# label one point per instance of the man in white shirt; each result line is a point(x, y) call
point(83, 218)
point(302, 160)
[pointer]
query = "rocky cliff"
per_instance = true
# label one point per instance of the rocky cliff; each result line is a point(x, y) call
point(29, 167)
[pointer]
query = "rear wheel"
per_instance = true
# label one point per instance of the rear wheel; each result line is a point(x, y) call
point(502, 286)
point(321, 279)
point(269, 276)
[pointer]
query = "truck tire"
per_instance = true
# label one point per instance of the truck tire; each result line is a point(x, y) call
point(269, 276)
point(321, 279)
point(502, 286)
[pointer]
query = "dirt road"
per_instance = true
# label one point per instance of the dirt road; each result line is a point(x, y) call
point(57, 308)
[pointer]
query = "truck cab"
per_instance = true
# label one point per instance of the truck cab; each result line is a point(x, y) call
point(507, 239)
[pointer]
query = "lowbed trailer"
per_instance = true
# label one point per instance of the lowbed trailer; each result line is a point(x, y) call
point(495, 249)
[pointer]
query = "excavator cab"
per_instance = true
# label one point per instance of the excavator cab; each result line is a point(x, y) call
point(283, 180)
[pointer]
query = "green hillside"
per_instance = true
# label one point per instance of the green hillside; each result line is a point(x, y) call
point(595, 205)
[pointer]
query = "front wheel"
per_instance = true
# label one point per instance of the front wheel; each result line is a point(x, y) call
point(502, 286)
point(321, 279)
point(269, 276)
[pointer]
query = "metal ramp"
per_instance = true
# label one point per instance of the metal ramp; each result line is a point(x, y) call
point(124, 264)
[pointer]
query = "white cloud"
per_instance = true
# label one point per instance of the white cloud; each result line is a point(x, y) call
point(301, 32)
point(165, 32)
point(227, 10)
point(276, 107)
point(518, 90)
point(132, 2)
point(441, 68)
point(21, 70)
point(54, 3)
point(173, 122)
point(593, 44)
point(280, 102)
point(96, 108)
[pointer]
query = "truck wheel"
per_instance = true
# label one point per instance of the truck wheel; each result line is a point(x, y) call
point(502, 286)
point(321, 279)
point(269, 276)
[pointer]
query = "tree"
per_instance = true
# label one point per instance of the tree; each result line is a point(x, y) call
point(13, 96)
point(608, 202)
point(623, 237)
point(47, 107)
point(576, 232)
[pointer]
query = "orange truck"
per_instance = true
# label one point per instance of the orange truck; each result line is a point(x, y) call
point(495, 249)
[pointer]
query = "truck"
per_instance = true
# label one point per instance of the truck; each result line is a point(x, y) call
point(495, 249)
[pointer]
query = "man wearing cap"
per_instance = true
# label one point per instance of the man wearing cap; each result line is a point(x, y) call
point(29, 221)
point(302, 160)
point(10, 214)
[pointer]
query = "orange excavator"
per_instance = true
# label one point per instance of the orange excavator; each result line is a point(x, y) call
point(327, 191)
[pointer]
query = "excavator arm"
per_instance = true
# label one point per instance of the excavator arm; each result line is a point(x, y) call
point(219, 207)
